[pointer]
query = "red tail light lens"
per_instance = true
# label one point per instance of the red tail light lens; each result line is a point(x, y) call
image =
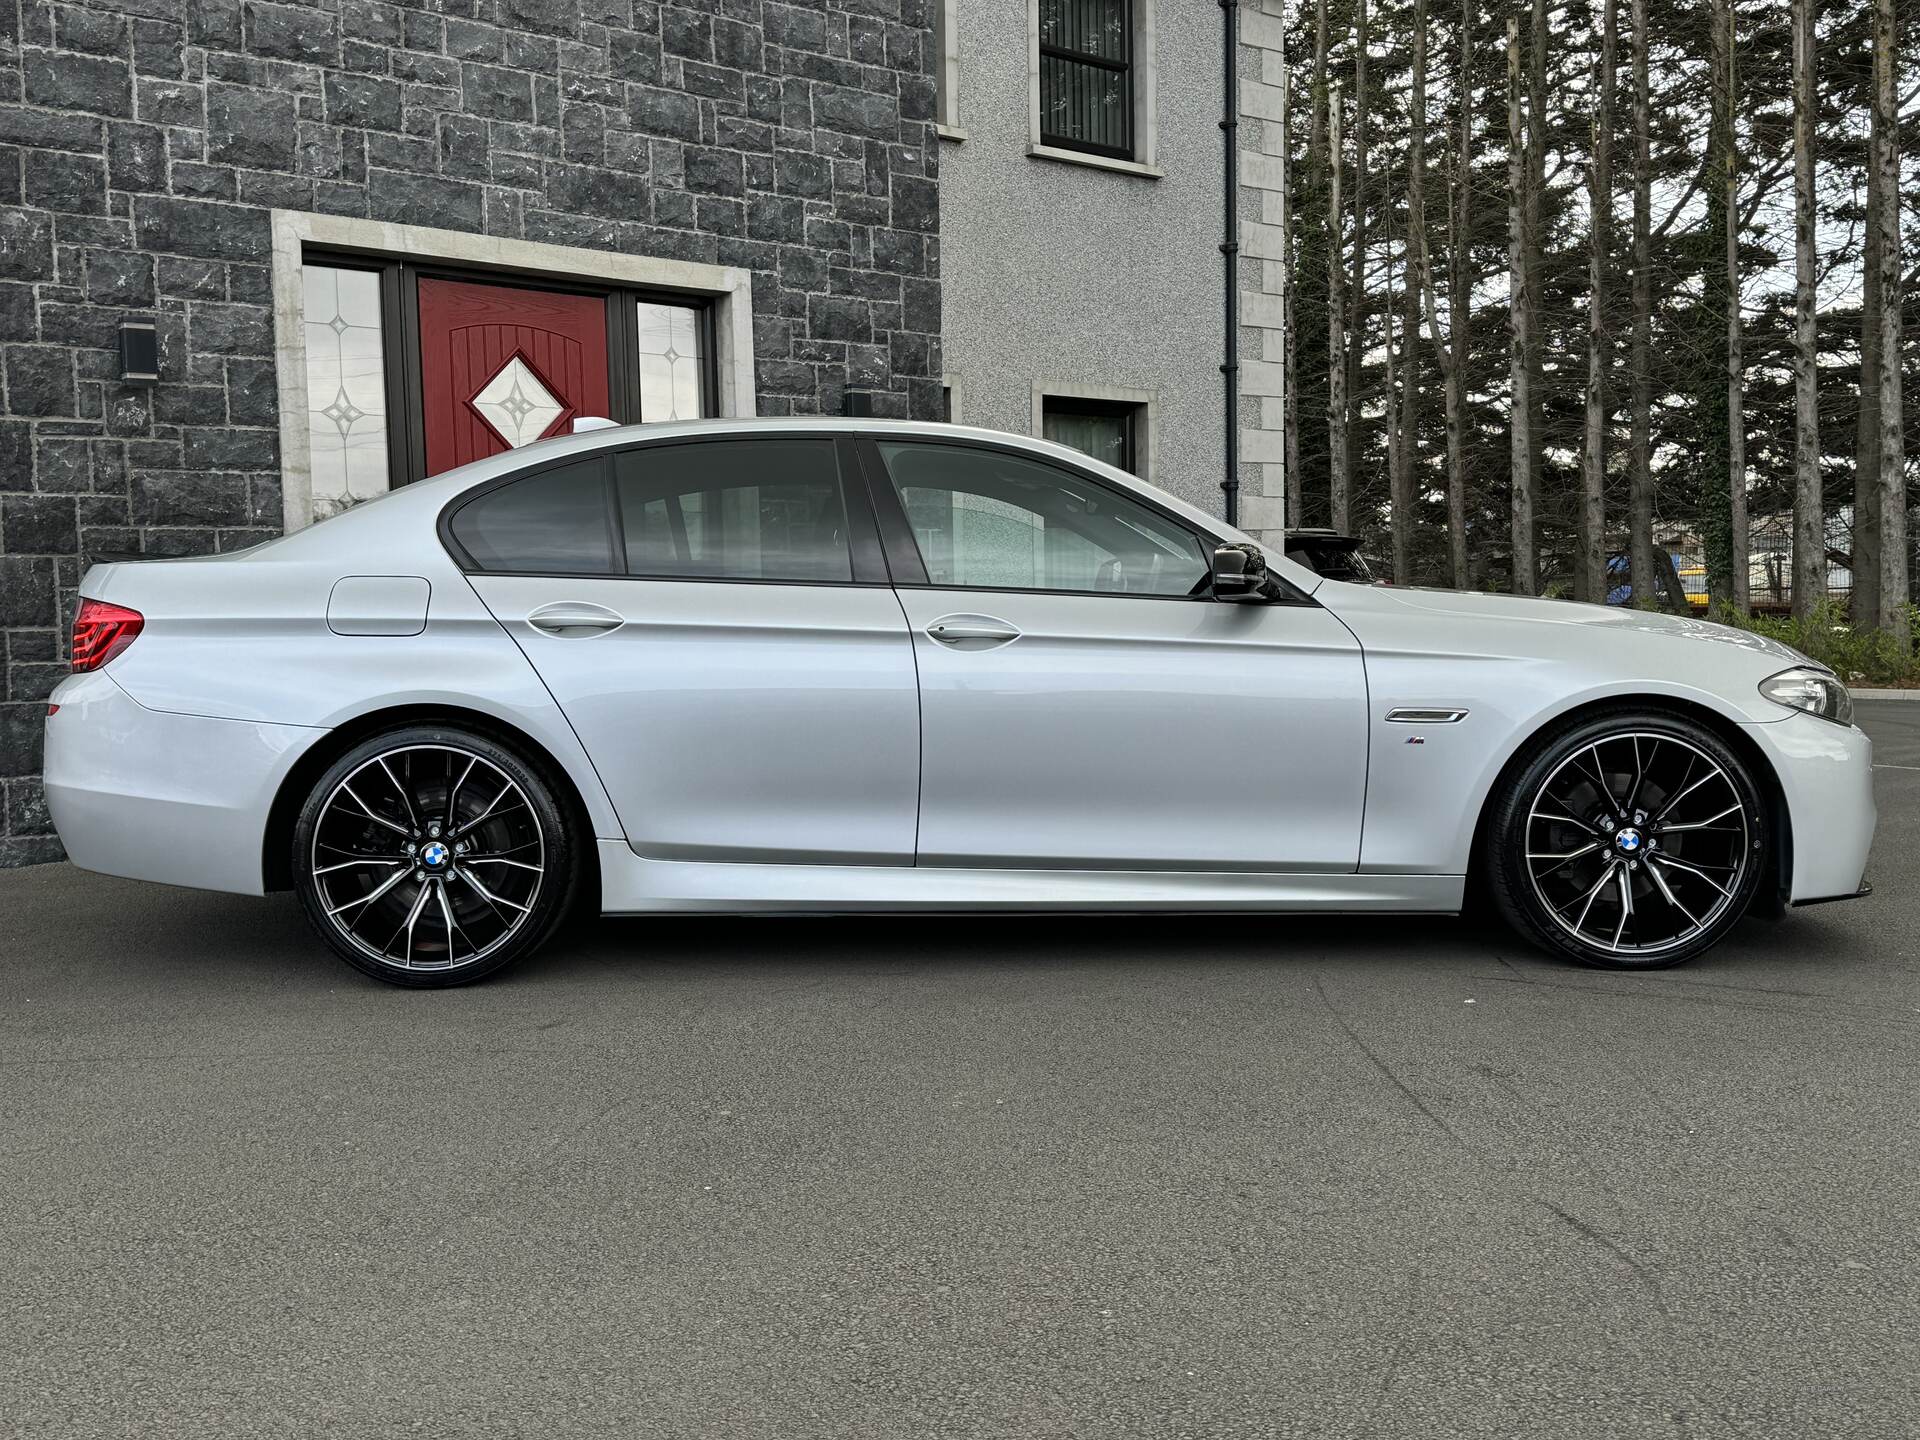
point(101, 631)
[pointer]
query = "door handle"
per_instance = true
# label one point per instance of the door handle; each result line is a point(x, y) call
point(977, 632)
point(575, 620)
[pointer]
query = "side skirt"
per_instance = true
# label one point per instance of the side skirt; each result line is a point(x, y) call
point(630, 885)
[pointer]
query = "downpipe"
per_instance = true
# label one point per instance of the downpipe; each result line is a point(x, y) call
point(1230, 255)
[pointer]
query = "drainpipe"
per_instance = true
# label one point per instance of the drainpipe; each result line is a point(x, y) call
point(1230, 254)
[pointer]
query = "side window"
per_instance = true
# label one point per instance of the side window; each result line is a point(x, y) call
point(735, 510)
point(989, 520)
point(553, 522)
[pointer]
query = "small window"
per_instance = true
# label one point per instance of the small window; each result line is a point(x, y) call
point(1106, 430)
point(554, 522)
point(345, 332)
point(672, 369)
point(1086, 76)
point(735, 510)
point(985, 519)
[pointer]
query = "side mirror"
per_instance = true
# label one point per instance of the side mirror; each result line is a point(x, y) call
point(1240, 574)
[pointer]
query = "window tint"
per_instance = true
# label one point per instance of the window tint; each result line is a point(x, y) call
point(735, 510)
point(995, 521)
point(551, 523)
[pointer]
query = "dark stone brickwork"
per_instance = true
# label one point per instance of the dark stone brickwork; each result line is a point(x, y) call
point(142, 143)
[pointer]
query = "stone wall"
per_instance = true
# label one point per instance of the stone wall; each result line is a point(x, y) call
point(143, 143)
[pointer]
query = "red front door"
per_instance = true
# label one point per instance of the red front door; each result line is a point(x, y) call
point(501, 367)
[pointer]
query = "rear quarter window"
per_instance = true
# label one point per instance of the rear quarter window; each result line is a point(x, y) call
point(553, 522)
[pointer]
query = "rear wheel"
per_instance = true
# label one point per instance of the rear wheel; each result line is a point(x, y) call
point(430, 856)
point(1633, 841)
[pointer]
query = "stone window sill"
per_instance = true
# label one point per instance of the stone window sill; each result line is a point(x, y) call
point(954, 133)
point(1098, 162)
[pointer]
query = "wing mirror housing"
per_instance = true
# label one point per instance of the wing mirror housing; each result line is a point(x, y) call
point(1240, 575)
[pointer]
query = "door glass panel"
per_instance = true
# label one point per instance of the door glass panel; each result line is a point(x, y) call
point(670, 362)
point(346, 386)
point(735, 510)
point(989, 520)
point(551, 523)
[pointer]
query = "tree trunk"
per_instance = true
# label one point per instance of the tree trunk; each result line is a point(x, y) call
point(1420, 277)
point(1316, 245)
point(1417, 274)
point(1317, 122)
point(1399, 517)
point(1640, 479)
point(1536, 291)
point(1409, 453)
point(1865, 604)
point(1357, 325)
point(1719, 287)
point(1336, 330)
point(1737, 525)
point(1893, 485)
point(1519, 308)
point(1809, 538)
point(1590, 575)
point(1459, 261)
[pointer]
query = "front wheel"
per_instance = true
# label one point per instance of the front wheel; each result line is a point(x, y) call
point(1633, 841)
point(431, 856)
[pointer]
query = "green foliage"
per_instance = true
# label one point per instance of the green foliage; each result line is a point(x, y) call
point(1860, 657)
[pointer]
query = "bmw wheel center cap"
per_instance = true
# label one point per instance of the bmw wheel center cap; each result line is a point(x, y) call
point(435, 854)
point(1628, 840)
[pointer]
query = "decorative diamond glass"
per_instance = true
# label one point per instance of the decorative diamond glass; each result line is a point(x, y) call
point(670, 362)
point(346, 386)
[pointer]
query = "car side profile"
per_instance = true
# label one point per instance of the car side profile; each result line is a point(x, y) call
point(841, 665)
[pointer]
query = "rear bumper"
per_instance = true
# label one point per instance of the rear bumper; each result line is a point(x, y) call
point(1826, 772)
point(152, 795)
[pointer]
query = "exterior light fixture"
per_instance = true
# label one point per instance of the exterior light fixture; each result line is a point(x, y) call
point(139, 353)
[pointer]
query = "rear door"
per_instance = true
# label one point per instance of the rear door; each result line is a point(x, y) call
point(1086, 703)
point(713, 617)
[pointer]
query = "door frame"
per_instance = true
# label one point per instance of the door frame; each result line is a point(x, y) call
point(400, 279)
point(725, 292)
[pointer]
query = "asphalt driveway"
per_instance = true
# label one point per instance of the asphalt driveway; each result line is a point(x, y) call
point(1005, 1177)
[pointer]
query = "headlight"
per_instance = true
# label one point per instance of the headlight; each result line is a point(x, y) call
point(1814, 691)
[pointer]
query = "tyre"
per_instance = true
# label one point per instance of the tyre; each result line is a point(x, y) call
point(1634, 840)
point(431, 856)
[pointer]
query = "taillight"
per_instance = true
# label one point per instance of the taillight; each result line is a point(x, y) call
point(101, 631)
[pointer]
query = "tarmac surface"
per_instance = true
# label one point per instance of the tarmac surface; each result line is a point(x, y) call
point(961, 1178)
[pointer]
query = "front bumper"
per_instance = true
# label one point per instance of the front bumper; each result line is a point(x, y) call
point(153, 795)
point(1826, 773)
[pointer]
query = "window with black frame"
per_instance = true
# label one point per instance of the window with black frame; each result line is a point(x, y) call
point(1086, 76)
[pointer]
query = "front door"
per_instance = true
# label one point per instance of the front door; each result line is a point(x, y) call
point(503, 365)
point(1084, 704)
point(715, 622)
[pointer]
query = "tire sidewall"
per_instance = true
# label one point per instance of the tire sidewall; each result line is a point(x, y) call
point(1512, 883)
point(555, 896)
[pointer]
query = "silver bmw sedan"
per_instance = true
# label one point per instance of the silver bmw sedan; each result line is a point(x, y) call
point(785, 666)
